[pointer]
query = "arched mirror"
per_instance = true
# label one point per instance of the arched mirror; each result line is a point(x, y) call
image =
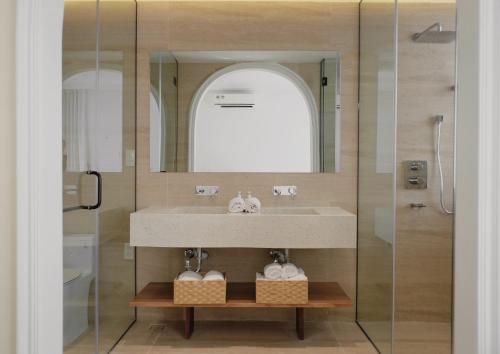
point(254, 118)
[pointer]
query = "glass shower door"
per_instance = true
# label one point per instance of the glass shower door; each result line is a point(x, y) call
point(376, 193)
point(80, 224)
point(117, 34)
point(98, 173)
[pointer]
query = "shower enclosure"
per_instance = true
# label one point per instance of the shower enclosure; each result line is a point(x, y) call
point(98, 172)
point(406, 175)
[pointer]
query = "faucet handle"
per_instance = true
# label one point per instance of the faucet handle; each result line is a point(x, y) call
point(207, 190)
point(285, 190)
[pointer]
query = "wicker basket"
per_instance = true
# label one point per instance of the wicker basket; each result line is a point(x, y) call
point(201, 292)
point(282, 292)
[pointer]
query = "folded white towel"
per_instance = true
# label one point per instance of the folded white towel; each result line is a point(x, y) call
point(189, 275)
point(252, 204)
point(273, 271)
point(236, 205)
point(289, 270)
point(297, 277)
point(213, 275)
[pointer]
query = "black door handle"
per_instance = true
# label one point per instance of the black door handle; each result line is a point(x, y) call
point(99, 192)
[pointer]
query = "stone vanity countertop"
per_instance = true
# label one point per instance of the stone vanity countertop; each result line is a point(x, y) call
point(214, 227)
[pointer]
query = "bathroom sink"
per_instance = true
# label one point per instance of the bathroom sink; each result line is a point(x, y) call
point(289, 211)
point(196, 210)
point(273, 227)
point(223, 210)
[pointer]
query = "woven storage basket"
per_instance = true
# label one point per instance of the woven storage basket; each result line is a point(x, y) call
point(282, 292)
point(201, 292)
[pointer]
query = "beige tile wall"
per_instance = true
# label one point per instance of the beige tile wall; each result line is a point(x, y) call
point(424, 237)
point(207, 25)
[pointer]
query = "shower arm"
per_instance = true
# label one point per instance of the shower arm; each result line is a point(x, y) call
point(437, 25)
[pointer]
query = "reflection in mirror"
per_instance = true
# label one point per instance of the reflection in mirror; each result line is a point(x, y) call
point(251, 111)
point(163, 112)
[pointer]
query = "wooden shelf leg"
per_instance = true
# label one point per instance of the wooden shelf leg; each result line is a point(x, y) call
point(299, 322)
point(188, 322)
point(192, 320)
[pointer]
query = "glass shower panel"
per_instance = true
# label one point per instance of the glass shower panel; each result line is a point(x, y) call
point(99, 172)
point(80, 226)
point(376, 195)
point(330, 115)
point(163, 113)
point(424, 248)
point(116, 109)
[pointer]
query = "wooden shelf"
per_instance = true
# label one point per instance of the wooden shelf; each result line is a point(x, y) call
point(242, 295)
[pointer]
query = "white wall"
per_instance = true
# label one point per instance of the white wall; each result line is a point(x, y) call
point(274, 136)
point(7, 178)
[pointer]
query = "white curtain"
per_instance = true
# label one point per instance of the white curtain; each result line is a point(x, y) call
point(92, 122)
point(75, 129)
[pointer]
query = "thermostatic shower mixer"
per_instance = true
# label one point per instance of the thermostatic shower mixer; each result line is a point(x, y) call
point(415, 174)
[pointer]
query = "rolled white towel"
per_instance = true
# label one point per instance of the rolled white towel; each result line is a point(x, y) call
point(213, 275)
point(237, 204)
point(273, 271)
point(300, 276)
point(189, 275)
point(252, 204)
point(289, 270)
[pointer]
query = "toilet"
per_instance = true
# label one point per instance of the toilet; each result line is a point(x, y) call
point(79, 270)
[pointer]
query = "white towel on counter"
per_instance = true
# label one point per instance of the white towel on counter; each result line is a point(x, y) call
point(189, 275)
point(252, 204)
point(213, 275)
point(237, 204)
point(273, 271)
point(290, 270)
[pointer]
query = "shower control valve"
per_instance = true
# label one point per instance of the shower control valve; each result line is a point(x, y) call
point(415, 174)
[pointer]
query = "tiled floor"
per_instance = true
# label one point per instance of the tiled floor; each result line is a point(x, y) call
point(245, 338)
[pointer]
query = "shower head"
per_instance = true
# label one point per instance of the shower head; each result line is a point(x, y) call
point(439, 118)
point(434, 34)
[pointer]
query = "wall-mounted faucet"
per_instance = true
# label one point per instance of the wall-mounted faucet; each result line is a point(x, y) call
point(285, 191)
point(207, 191)
point(191, 253)
point(279, 256)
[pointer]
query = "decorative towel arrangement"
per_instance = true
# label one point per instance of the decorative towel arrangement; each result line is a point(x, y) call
point(252, 204)
point(248, 205)
point(287, 271)
point(189, 275)
point(290, 270)
point(213, 275)
point(298, 277)
point(237, 204)
point(273, 271)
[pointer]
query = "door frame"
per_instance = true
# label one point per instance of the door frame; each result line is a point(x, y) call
point(476, 246)
point(39, 177)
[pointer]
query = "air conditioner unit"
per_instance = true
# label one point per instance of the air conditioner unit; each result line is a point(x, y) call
point(234, 99)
